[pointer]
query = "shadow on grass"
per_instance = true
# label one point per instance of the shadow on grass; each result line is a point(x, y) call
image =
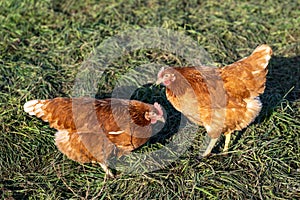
point(282, 80)
point(8, 189)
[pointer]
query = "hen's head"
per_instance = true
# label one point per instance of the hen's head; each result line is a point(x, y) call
point(166, 76)
point(155, 114)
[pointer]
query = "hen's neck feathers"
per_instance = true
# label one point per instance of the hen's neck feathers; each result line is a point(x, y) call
point(187, 78)
point(137, 113)
point(133, 109)
point(180, 84)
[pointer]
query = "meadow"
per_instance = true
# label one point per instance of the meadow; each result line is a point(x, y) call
point(44, 49)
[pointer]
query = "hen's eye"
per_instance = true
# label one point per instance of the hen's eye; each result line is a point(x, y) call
point(153, 113)
point(167, 75)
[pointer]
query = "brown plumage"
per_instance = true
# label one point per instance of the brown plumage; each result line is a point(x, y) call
point(91, 130)
point(220, 99)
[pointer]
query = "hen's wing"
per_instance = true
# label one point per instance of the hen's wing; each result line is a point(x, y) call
point(71, 117)
point(134, 129)
point(246, 77)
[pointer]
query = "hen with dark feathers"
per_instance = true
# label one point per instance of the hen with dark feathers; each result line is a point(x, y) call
point(91, 130)
point(220, 99)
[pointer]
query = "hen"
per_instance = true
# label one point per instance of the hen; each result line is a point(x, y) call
point(220, 99)
point(91, 130)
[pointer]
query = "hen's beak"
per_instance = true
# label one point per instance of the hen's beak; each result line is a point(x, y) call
point(162, 119)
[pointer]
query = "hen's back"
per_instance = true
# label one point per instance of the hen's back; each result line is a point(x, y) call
point(243, 82)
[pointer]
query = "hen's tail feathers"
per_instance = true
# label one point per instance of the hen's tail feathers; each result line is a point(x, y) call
point(257, 64)
point(259, 59)
point(35, 107)
point(58, 112)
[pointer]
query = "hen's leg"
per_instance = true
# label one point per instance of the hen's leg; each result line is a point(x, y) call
point(108, 173)
point(227, 140)
point(210, 147)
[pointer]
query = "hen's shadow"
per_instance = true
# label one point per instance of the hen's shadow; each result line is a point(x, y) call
point(150, 93)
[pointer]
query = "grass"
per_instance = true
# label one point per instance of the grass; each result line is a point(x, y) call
point(44, 45)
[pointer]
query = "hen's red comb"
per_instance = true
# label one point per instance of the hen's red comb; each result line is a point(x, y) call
point(159, 75)
point(159, 109)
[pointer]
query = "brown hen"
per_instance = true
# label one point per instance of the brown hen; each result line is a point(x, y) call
point(220, 99)
point(91, 130)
